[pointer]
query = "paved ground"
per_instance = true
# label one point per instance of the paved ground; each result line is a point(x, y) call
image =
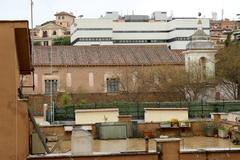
point(139, 144)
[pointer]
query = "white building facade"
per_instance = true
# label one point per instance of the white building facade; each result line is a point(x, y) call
point(136, 30)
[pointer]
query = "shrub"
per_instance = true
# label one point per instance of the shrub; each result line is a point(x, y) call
point(66, 99)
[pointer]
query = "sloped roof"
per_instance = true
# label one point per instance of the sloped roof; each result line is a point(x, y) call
point(49, 23)
point(114, 55)
point(64, 13)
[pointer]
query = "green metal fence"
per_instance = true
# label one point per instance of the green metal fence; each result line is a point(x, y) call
point(136, 109)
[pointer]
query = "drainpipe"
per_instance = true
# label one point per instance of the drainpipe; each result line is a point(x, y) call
point(45, 106)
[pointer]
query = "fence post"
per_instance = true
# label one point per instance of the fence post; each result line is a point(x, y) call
point(202, 108)
point(138, 111)
point(223, 107)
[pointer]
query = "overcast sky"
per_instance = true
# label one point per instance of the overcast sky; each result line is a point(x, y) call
point(45, 9)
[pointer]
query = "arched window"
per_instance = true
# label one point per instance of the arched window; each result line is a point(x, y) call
point(45, 34)
point(203, 67)
point(54, 33)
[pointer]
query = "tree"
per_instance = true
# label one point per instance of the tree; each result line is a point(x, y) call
point(134, 82)
point(62, 41)
point(193, 84)
point(228, 69)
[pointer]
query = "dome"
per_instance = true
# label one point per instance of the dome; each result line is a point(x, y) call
point(200, 35)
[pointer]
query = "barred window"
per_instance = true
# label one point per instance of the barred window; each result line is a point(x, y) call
point(112, 85)
point(51, 84)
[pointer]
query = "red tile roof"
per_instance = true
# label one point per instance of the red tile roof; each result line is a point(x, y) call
point(114, 55)
point(64, 13)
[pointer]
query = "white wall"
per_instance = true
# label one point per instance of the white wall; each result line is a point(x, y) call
point(165, 114)
point(91, 116)
point(195, 56)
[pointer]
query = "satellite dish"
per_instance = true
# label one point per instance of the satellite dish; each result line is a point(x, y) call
point(199, 14)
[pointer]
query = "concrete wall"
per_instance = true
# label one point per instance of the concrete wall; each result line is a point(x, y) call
point(165, 114)
point(92, 116)
point(13, 112)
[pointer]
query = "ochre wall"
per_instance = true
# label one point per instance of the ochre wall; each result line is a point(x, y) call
point(13, 113)
point(210, 156)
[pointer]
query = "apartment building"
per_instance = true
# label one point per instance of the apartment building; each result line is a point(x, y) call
point(113, 29)
point(219, 29)
point(60, 27)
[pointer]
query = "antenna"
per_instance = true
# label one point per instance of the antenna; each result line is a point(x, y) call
point(222, 14)
point(31, 34)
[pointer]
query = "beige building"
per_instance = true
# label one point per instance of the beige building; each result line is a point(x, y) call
point(15, 60)
point(64, 19)
point(99, 69)
point(60, 27)
point(44, 34)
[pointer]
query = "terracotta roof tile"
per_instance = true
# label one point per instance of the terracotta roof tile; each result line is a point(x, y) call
point(107, 55)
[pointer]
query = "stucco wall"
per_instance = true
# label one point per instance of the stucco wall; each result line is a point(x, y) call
point(13, 113)
point(91, 116)
point(161, 114)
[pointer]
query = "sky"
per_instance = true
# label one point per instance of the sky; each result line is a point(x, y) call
point(44, 10)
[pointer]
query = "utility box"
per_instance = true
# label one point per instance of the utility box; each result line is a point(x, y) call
point(112, 130)
point(36, 144)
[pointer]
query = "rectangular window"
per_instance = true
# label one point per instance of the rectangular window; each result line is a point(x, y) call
point(112, 85)
point(91, 79)
point(45, 43)
point(51, 84)
point(69, 80)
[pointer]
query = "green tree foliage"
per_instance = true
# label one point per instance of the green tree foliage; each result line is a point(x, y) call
point(37, 43)
point(228, 69)
point(66, 99)
point(228, 40)
point(65, 41)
